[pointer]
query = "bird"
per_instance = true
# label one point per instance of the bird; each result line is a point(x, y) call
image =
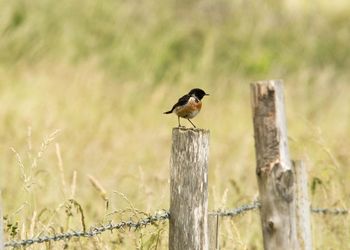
point(189, 105)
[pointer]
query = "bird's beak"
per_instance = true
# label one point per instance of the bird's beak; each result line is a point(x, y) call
point(206, 94)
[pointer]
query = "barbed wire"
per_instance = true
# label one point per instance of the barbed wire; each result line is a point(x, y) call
point(160, 216)
point(236, 211)
point(92, 231)
point(256, 204)
point(330, 211)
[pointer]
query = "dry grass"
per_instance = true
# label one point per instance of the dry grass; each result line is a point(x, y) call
point(84, 140)
point(112, 148)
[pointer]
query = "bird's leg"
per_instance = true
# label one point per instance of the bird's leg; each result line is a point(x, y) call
point(178, 120)
point(191, 123)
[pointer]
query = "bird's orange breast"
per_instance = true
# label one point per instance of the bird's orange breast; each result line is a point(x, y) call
point(189, 110)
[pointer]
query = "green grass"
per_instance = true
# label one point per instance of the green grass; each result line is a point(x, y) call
point(101, 74)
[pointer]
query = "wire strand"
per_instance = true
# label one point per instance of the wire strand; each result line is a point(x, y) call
point(160, 216)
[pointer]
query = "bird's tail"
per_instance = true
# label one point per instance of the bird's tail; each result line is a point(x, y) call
point(168, 112)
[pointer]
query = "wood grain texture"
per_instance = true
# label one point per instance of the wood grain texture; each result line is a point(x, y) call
point(188, 227)
point(274, 170)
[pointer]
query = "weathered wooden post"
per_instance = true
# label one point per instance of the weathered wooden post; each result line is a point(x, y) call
point(274, 168)
point(213, 234)
point(302, 209)
point(188, 227)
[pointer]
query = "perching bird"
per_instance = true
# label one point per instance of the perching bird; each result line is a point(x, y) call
point(189, 105)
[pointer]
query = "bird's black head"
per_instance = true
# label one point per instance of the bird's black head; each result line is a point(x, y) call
point(199, 93)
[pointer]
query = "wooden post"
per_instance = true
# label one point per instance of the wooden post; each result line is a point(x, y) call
point(188, 227)
point(302, 210)
point(274, 170)
point(213, 234)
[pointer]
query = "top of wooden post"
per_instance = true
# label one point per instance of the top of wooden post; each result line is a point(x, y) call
point(184, 129)
point(269, 118)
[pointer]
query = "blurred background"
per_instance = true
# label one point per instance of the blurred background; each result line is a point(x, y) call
point(83, 85)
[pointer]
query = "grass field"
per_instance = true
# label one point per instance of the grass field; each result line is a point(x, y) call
point(83, 85)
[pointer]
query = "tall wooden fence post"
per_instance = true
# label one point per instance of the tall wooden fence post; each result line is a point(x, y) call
point(274, 170)
point(188, 227)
